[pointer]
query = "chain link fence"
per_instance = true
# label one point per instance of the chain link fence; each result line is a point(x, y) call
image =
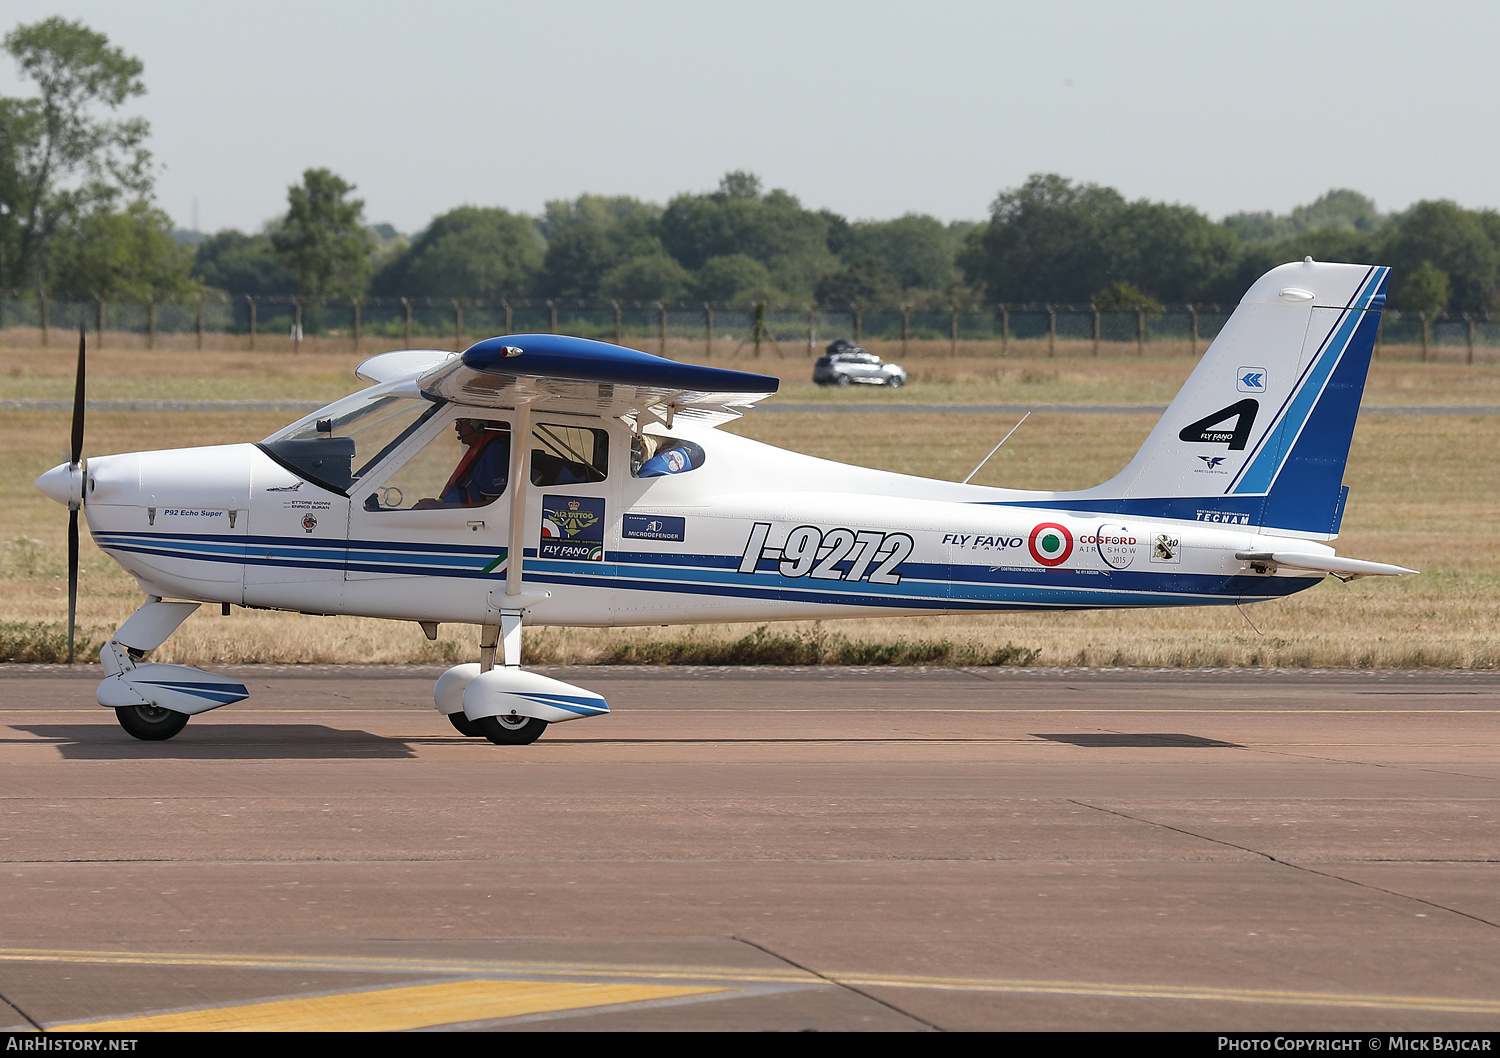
point(683, 329)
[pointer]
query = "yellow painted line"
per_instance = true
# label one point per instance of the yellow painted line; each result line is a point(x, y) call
point(730, 976)
point(1222, 995)
point(395, 1009)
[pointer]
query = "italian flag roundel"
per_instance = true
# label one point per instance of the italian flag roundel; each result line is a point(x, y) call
point(1050, 544)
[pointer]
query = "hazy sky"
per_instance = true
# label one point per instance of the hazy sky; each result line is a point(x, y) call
point(871, 109)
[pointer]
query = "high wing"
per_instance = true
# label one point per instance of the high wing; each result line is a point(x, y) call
point(578, 376)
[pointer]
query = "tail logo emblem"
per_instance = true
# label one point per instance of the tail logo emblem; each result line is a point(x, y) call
point(1242, 412)
point(1251, 380)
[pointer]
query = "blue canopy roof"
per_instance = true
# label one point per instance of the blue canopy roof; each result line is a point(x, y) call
point(562, 356)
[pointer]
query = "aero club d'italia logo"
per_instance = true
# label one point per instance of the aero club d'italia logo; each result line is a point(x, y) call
point(1050, 544)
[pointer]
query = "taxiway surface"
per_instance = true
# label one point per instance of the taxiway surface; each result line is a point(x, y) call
point(773, 848)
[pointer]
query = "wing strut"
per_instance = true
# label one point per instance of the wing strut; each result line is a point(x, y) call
point(509, 606)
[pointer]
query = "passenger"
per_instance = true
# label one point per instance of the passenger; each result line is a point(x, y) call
point(483, 470)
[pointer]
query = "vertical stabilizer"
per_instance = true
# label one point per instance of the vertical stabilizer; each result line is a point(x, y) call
point(1260, 433)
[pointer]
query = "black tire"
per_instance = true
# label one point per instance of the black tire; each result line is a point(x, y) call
point(151, 723)
point(464, 726)
point(895, 382)
point(844, 380)
point(511, 730)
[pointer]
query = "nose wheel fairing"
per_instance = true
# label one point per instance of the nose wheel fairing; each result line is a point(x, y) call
point(153, 700)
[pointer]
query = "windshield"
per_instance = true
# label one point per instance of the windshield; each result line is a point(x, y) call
point(336, 445)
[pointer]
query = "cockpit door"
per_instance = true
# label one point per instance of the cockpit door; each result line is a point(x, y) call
point(428, 526)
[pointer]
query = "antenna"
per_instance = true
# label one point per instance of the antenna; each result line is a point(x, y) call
point(986, 459)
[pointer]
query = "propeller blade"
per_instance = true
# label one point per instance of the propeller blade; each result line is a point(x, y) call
point(72, 579)
point(76, 460)
point(78, 404)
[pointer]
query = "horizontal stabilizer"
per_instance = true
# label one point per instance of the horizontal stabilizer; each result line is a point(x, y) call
point(1342, 568)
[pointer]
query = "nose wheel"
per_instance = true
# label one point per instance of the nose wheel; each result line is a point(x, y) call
point(151, 723)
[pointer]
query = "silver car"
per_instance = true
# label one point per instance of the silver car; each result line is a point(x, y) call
point(845, 364)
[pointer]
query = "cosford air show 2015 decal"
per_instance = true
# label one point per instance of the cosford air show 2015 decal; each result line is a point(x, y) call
point(1116, 544)
point(572, 528)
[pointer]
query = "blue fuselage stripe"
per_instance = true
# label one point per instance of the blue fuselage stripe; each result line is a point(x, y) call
point(926, 586)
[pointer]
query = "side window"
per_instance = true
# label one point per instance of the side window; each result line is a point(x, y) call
point(466, 466)
point(568, 455)
point(654, 457)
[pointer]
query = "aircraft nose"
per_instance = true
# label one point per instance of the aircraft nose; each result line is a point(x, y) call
point(63, 483)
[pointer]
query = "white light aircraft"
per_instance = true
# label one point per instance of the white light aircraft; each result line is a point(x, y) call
point(622, 504)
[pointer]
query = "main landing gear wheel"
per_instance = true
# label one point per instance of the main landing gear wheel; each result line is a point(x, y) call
point(151, 723)
point(464, 726)
point(510, 730)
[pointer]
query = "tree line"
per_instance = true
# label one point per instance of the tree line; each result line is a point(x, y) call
point(78, 219)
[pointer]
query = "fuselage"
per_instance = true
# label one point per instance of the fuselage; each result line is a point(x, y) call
point(751, 532)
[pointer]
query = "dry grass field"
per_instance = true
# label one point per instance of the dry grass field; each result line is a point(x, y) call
point(325, 370)
point(1423, 494)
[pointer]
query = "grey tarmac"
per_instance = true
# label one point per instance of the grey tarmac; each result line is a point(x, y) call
point(731, 848)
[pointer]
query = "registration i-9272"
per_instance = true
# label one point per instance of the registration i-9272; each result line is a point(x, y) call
point(818, 554)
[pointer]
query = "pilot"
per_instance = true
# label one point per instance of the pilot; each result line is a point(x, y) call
point(483, 469)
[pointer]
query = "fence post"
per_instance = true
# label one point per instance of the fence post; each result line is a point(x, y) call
point(1423, 317)
point(251, 299)
point(200, 319)
point(406, 307)
point(618, 330)
point(1051, 331)
point(1140, 330)
point(357, 305)
point(708, 343)
point(758, 327)
point(1469, 320)
point(151, 323)
point(458, 324)
point(859, 323)
point(1379, 332)
point(905, 326)
point(812, 340)
point(509, 325)
point(297, 325)
point(1194, 349)
point(661, 325)
point(1095, 310)
point(99, 327)
point(552, 310)
point(46, 311)
point(1005, 328)
point(952, 331)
